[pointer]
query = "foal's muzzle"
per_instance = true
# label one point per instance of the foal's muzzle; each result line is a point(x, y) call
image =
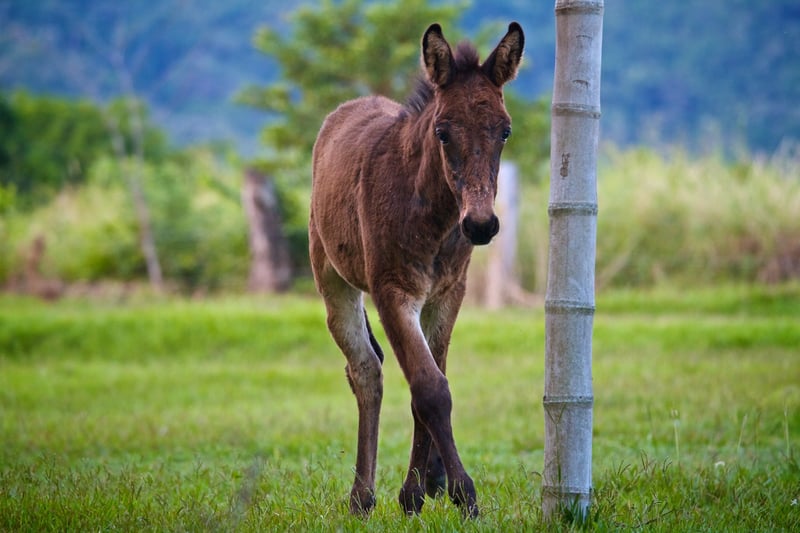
point(480, 232)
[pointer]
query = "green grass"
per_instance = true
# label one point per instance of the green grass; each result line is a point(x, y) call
point(234, 414)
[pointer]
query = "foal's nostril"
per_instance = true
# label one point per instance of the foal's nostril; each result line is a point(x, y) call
point(480, 232)
point(494, 227)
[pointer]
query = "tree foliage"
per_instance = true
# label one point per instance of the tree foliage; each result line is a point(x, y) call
point(335, 52)
point(342, 50)
point(49, 143)
point(529, 147)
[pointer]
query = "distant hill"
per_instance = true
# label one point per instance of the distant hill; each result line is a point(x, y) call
point(704, 73)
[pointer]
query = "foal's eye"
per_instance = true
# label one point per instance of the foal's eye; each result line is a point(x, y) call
point(442, 135)
point(506, 134)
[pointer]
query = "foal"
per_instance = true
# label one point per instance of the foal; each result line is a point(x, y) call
point(400, 195)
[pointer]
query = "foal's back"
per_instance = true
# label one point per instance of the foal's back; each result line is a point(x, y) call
point(354, 141)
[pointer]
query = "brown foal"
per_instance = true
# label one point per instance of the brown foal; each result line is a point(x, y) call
point(400, 195)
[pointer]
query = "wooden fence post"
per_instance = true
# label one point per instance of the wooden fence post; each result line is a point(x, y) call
point(501, 277)
point(270, 267)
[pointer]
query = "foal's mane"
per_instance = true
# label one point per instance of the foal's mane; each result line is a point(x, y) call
point(465, 60)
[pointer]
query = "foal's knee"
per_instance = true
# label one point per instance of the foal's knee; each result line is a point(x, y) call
point(431, 400)
point(365, 378)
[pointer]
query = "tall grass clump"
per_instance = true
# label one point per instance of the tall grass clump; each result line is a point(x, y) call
point(673, 218)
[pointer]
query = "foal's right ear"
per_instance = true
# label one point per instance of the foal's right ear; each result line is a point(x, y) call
point(502, 64)
point(437, 57)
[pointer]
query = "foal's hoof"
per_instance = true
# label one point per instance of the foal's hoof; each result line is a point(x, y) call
point(411, 499)
point(362, 501)
point(435, 487)
point(462, 492)
point(435, 478)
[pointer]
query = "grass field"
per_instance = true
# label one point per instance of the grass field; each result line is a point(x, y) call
point(234, 415)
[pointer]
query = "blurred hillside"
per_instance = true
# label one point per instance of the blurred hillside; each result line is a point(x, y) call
point(704, 74)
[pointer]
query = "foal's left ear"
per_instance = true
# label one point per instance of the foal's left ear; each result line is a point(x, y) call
point(502, 64)
point(437, 57)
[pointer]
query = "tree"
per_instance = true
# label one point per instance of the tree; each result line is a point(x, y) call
point(49, 143)
point(341, 50)
point(113, 50)
point(337, 51)
point(119, 49)
point(569, 304)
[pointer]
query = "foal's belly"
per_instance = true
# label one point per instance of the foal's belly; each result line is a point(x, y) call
point(347, 259)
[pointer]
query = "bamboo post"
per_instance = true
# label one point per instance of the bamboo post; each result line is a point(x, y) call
point(569, 304)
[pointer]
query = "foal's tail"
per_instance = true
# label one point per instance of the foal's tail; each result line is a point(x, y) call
point(372, 341)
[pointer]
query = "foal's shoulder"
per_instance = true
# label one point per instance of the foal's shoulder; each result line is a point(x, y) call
point(356, 121)
point(371, 106)
point(367, 113)
point(374, 105)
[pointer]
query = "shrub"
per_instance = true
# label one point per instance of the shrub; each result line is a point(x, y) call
point(675, 219)
point(199, 226)
point(91, 232)
point(663, 218)
point(702, 220)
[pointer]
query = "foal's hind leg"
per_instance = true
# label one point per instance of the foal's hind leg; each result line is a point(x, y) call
point(349, 328)
point(347, 322)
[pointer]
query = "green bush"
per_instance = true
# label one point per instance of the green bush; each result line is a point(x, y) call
point(199, 226)
point(92, 233)
point(89, 233)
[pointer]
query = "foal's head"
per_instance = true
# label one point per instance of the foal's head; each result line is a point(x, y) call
point(471, 124)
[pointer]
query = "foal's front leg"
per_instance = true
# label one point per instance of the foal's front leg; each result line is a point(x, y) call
point(412, 494)
point(431, 402)
point(426, 471)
